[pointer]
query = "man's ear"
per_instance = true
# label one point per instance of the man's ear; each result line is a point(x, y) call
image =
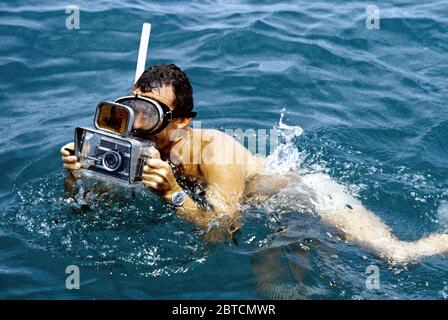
point(134, 89)
point(182, 123)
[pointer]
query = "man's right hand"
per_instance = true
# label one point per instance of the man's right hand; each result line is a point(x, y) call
point(70, 161)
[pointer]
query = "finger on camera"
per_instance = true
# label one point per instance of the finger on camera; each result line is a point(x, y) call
point(155, 178)
point(69, 159)
point(156, 163)
point(150, 184)
point(152, 177)
point(148, 169)
point(159, 171)
point(69, 166)
point(70, 145)
point(64, 152)
point(72, 166)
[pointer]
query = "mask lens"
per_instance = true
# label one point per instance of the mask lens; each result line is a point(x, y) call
point(112, 117)
point(147, 111)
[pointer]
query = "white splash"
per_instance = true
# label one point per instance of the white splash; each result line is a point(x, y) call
point(286, 157)
point(311, 189)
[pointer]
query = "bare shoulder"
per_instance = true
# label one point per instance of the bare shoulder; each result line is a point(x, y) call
point(219, 148)
point(215, 136)
point(217, 143)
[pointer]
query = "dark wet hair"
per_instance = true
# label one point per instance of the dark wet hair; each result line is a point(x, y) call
point(168, 74)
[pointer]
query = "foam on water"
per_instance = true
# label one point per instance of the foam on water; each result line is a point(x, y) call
point(311, 188)
point(120, 226)
point(286, 156)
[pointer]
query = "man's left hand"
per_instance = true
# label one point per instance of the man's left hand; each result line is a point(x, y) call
point(159, 178)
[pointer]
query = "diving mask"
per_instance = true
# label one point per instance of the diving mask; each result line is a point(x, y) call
point(156, 114)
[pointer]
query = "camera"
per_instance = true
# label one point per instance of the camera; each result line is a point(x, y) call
point(108, 150)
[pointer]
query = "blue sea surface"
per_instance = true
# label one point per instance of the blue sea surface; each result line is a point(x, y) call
point(372, 104)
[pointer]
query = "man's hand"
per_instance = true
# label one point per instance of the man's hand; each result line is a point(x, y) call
point(159, 178)
point(70, 162)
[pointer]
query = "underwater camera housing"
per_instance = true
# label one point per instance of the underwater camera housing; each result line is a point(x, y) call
point(109, 151)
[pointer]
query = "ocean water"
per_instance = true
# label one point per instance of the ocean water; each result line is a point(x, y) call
point(371, 103)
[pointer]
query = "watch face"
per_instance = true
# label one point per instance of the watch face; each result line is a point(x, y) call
point(178, 198)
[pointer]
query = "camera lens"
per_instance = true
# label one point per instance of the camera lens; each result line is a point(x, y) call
point(111, 160)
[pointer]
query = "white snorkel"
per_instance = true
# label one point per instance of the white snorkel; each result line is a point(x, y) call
point(143, 50)
point(147, 151)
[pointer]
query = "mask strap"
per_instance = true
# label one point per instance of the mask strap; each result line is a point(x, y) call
point(168, 116)
point(190, 114)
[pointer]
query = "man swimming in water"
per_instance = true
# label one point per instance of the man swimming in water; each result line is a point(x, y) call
point(230, 173)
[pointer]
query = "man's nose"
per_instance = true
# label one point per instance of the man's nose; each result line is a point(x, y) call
point(138, 122)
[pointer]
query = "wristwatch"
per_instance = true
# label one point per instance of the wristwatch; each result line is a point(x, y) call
point(178, 198)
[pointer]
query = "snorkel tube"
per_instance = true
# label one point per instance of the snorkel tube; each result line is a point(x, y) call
point(142, 51)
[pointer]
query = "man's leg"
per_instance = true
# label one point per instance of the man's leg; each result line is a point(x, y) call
point(361, 226)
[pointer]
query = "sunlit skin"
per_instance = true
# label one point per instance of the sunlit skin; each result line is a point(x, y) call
point(226, 187)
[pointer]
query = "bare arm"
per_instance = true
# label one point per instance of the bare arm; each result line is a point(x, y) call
point(224, 196)
point(225, 186)
point(224, 166)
